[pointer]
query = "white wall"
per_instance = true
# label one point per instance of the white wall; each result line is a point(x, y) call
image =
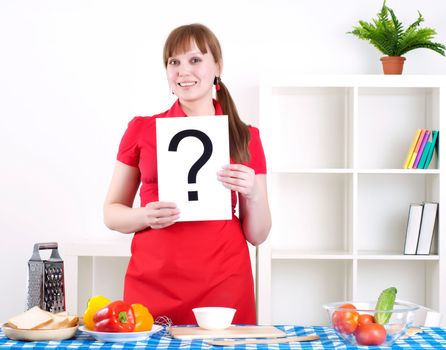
point(73, 73)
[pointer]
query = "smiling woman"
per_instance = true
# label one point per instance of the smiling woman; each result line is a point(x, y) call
point(194, 62)
point(178, 266)
point(191, 75)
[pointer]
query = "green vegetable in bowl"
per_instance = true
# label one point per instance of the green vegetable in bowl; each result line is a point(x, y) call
point(386, 301)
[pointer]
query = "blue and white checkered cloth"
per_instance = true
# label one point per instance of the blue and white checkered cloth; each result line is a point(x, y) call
point(430, 338)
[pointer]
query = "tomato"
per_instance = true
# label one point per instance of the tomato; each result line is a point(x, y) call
point(345, 321)
point(370, 334)
point(365, 319)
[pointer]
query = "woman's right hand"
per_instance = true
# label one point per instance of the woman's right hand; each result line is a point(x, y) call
point(160, 214)
point(119, 214)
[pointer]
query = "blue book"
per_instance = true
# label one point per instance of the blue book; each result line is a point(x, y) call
point(432, 148)
point(424, 155)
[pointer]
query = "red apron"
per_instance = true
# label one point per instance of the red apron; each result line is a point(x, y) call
point(188, 264)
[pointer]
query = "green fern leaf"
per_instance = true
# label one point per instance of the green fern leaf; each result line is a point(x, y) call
point(437, 47)
point(388, 35)
point(417, 22)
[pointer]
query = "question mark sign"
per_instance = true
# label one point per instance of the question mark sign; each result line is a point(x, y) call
point(207, 152)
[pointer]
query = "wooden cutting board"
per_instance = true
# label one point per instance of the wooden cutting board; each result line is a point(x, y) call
point(190, 333)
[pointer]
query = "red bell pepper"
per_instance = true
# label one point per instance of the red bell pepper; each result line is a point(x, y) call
point(115, 317)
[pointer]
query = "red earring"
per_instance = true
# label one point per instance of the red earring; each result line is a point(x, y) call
point(217, 81)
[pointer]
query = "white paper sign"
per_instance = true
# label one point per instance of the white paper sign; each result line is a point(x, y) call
point(190, 151)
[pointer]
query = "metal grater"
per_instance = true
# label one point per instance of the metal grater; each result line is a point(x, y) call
point(46, 287)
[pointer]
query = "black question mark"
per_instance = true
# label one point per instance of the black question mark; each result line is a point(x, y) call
point(207, 152)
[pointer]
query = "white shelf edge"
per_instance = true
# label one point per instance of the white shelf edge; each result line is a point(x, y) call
point(283, 254)
point(288, 80)
point(290, 255)
point(399, 171)
point(311, 171)
point(279, 170)
point(397, 257)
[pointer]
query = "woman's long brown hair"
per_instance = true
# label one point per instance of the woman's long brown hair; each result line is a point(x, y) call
point(179, 41)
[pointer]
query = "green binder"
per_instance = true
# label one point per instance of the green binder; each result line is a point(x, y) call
point(431, 150)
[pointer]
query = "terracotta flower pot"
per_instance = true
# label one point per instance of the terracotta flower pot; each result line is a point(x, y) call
point(393, 64)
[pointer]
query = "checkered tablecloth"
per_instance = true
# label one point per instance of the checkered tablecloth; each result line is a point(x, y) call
point(430, 338)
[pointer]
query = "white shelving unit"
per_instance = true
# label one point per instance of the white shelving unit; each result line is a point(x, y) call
point(339, 197)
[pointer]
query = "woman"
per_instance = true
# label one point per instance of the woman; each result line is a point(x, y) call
point(176, 266)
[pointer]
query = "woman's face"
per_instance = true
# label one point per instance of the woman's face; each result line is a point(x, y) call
point(191, 74)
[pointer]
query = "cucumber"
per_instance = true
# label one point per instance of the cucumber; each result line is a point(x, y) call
point(386, 301)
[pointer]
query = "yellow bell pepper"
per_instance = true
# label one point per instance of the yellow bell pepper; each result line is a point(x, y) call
point(143, 318)
point(95, 303)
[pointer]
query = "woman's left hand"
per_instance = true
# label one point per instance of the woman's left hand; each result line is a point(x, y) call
point(240, 178)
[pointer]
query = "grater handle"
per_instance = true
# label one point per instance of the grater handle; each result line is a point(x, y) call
point(48, 245)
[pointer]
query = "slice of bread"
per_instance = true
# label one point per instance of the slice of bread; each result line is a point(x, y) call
point(10, 325)
point(36, 318)
point(73, 321)
point(57, 321)
point(31, 319)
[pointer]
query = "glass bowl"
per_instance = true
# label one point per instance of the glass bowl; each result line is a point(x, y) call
point(349, 320)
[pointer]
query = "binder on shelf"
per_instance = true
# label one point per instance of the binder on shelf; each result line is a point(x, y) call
point(411, 149)
point(424, 155)
point(427, 228)
point(413, 228)
point(420, 151)
point(417, 148)
point(432, 148)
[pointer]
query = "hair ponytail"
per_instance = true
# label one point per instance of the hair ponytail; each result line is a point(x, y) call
point(239, 134)
point(179, 40)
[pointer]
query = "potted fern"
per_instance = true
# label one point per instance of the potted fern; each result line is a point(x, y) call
point(388, 35)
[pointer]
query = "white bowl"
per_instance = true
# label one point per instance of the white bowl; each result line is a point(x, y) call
point(214, 318)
